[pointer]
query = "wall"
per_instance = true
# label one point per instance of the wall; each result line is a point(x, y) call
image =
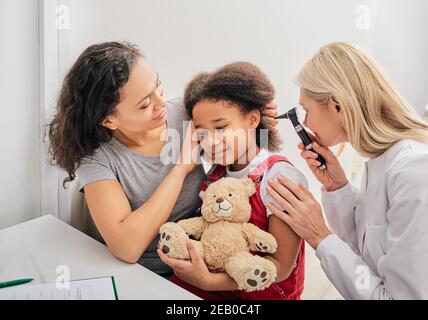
point(182, 38)
point(401, 47)
point(19, 130)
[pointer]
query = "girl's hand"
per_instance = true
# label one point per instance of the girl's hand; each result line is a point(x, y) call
point(302, 211)
point(189, 155)
point(194, 272)
point(269, 114)
point(332, 178)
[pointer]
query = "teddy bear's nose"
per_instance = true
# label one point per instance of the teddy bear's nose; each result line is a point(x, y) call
point(219, 200)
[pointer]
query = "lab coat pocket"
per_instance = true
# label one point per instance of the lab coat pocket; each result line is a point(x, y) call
point(374, 246)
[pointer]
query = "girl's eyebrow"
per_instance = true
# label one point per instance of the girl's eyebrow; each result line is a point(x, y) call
point(197, 126)
point(218, 120)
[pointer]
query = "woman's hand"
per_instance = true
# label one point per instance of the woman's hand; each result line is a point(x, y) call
point(194, 272)
point(332, 178)
point(190, 149)
point(269, 114)
point(303, 212)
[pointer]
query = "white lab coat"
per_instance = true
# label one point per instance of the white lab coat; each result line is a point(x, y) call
point(379, 249)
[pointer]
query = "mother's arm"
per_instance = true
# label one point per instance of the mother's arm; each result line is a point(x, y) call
point(128, 233)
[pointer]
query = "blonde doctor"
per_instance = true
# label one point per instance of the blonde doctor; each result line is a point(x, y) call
point(376, 245)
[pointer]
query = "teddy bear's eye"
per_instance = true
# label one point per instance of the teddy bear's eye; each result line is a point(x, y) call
point(215, 196)
point(230, 194)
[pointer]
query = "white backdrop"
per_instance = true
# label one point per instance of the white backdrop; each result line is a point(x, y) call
point(182, 38)
point(401, 46)
point(41, 38)
point(19, 129)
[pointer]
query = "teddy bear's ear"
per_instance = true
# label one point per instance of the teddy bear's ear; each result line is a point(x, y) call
point(202, 195)
point(249, 186)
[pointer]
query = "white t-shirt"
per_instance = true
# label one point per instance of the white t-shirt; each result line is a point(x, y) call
point(280, 168)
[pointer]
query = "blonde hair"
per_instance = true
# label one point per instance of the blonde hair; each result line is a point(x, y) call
point(375, 114)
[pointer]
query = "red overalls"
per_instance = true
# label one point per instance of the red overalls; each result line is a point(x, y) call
point(289, 289)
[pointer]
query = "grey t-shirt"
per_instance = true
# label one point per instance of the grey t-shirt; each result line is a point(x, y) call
point(140, 175)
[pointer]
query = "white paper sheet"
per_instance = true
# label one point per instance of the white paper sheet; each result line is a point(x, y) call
point(86, 289)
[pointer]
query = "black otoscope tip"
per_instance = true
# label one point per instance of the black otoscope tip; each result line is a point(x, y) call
point(283, 116)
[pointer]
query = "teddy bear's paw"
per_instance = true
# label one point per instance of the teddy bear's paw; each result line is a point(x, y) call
point(172, 241)
point(258, 278)
point(264, 246)
point(165, 242)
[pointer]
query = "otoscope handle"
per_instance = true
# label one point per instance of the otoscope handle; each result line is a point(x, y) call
point(321, 160)
point(309, 145)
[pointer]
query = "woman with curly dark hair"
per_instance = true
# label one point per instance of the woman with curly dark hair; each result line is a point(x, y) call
point(111, 131)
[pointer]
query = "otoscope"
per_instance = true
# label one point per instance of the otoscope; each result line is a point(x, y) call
point(292, 116)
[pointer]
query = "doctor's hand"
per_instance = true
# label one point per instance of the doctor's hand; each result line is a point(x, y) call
point(332, 178)
point(194, 272)
point(302, 212)
point(269, 113)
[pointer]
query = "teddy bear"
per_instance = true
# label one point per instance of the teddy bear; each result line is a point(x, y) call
point(223, 236)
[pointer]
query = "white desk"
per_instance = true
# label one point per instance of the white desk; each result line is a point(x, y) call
point(36, 248)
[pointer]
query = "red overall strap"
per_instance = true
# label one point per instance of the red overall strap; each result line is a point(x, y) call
point(292, 287)
point(258, 212)
point(216, 173)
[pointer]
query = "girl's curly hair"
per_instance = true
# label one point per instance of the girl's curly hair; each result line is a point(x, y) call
point(240, 83)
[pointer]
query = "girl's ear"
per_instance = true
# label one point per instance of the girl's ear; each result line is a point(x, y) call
point(254, 117)
point(109, 123)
